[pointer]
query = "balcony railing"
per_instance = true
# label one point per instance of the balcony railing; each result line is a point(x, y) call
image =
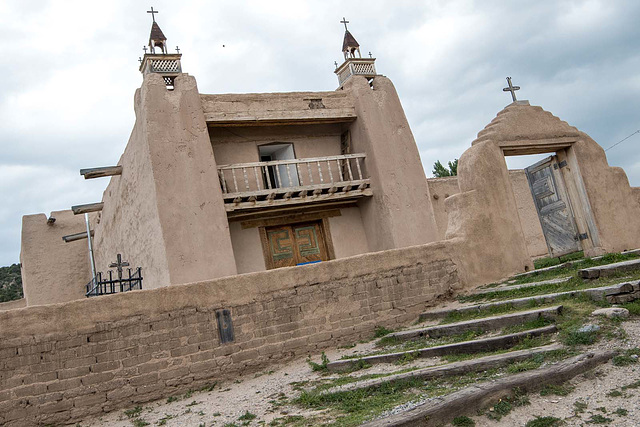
point(251, 185)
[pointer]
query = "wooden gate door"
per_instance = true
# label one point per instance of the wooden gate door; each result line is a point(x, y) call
point(553, 206)
point(289, 245)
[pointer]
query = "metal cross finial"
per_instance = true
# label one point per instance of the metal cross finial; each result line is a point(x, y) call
point(336, 63)
point(153, 13)
point(139, 60)
point(119, 264)
point(511, 89)
point(370, 55)
point(177, 49)
point(345, 22)
point(145, 49)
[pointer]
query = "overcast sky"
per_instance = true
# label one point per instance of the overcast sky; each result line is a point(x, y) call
point(70, 69)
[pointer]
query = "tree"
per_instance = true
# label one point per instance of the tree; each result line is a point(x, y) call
point(440, 171)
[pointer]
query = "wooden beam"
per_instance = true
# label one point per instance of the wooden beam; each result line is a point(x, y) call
point(78, 236)
point(229, 207)
point(100, 172)
point(89, 207)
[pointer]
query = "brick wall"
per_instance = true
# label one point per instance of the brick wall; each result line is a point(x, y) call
point(64, 362)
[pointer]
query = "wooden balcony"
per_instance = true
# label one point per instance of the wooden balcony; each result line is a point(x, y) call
point(279, 183)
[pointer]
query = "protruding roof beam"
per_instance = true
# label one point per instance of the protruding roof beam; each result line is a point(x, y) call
point(77, 236)
point(89, 207)
point(100, 172)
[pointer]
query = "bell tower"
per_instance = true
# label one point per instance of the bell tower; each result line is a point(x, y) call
point(352, 65)
point(163, 63)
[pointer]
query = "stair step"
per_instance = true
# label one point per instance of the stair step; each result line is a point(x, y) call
point(523, 286)
point(451, 369)
point(483, 324)
point(466, 347)
point(442, 410)
point(609, 269)
point(597, 294)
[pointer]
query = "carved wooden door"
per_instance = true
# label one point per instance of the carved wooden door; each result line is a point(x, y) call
point(554, 210)
point(295, 244)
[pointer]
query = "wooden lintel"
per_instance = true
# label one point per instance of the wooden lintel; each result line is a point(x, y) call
point(101, 171)
point(230, 207)
point(78, 236)
point(89, 207)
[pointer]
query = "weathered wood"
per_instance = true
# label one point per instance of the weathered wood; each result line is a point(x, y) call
point(597, 294)
point(91, 173)
point(451, 369)
point(77, 236)
point(483, 324)
point(473, 346)
point(89, 207)
point(297, 200)
point(609, 269)
point(470, 400)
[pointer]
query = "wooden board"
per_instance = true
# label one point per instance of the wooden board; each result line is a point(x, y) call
point(553, 207)
point(293, 244)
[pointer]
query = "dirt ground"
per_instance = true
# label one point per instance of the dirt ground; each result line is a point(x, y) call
point(262, 394)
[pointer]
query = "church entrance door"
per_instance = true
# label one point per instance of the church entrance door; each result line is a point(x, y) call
point(295, 244)
point(553, 206)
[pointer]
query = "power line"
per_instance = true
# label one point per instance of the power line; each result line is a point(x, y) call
point(622, 140)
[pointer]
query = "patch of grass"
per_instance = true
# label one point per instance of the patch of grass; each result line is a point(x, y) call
point(133, 412)
point(614, 393)
point(289, 419)
point(139, 422)
point(544, 422)
point(525, 365)
point(579, 407)
point(171, 399)
point(598, 419)
point(209, 387)
point(247, 416)
point(194, 403)
point(629, 357)
point(550, 262)
point(635, 384)
point(505, 406)
point(163, 421)
point(557, 390)
point(463, 421)
point(322, 366)
point(407, 358)
point(381, 331)
point(575, 337)
point(633, 307)
point(540, 322)
point(621, 412)
point(455, 316)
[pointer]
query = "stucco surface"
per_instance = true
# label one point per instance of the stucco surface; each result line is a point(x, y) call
point(53, 271)
point(11, 305)
point(348, 234)
point(440, 189)
point(247, 248)
point(399, 214)
point(533, 236)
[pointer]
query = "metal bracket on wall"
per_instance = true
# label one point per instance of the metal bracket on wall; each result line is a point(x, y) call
point(225, 326)
point(560, 165)
point(583, 236)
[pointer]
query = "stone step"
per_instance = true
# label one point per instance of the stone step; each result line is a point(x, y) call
point(466, 347)
point(609, 269)
point(470, 400)
point(523, 286)
point(450, 369)
point(598, 294)
point(483, 324)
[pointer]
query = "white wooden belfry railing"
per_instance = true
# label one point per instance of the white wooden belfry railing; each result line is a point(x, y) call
point(294, 178)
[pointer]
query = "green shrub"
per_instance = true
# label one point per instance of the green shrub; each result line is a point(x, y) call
point(463, 421)
point(545, 422)
point(322, 366)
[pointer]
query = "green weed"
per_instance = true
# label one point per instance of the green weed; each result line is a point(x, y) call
point(134, 412)
point(463, 421)
point(579, 407)
point(381, 331)
point(322, 366)
point(544, 422)
point(139, 422)
point(557, 390)
point(599, 419)
point(614, 393)
point(621, 412)
point(247, 416)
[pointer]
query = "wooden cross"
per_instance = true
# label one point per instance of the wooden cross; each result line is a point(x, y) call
point(153, 14)
point(345, 22)
point(119, 264)
point(145, 49)
point(511, 89)
point(177, 49)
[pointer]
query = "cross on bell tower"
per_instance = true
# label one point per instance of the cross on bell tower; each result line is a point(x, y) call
point(164, 63)
point(354, 65)
point(511, 88)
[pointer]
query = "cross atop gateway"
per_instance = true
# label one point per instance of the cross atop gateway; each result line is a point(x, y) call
point(153, 13)
point(511, 89)
point(345, 22)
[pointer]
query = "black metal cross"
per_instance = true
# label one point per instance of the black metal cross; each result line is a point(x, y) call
point(511, 89)
point(119, 264)
point(139, 59)
point(345, 22)
point(370, 55)
point(177, 49)
point(153, 14)
point(336, 63)
point(145, 49)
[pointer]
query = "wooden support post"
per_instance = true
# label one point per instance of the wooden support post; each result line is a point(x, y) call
point(89, 207)
point(100, 172)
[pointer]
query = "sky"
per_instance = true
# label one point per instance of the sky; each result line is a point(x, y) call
point(70, 70)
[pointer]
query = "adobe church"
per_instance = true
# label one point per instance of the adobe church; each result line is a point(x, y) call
point(212, 186)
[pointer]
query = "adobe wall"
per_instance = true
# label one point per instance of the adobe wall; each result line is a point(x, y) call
point(53, 271)
point(441, 188)
point(400, 213)
point(64, 362)
point(165, 212)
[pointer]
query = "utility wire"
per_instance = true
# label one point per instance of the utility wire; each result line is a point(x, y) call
point(622, 140)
